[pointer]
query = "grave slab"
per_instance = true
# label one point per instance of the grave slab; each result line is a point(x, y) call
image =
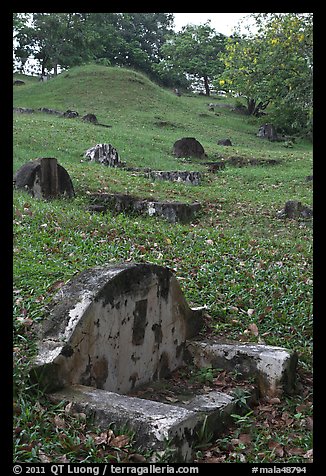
point(155, 424)
point(272, 367)
point(173, 212)
point(192, 178)
point(114, 330)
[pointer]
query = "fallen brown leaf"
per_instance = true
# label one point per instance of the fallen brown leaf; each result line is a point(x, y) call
point(309, 423)
point(277, 448)
point(59, 422)
point(120, 441)
point(245, 438)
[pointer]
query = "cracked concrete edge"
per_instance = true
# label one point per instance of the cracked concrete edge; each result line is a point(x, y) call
point(274, 368)
point(156, 425)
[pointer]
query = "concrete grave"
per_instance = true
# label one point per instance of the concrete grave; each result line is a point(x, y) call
point(44, 178)
point(23, 110)
point(70, 114)
point(170, 211)
point(267, 131)
point(111, 330)
point(192, 178)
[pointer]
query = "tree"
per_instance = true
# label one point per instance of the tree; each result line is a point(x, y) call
point(195, 50)
point(21, 46)
point(274, 68)
point(54, 39)
point(68, 39)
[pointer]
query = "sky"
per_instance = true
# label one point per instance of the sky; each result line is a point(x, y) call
point(221, 22)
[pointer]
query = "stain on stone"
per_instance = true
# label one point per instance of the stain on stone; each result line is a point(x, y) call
point(85, 378)
point(179, 350)
point(163, 276)
point(134, 358)
point(133, 379)
point(99, 372)
point(163, 366)
point(67, 351)
point(140, 322)
point(158, 335)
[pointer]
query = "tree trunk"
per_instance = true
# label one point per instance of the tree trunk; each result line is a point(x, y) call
point(255, 109)
point(251, 105)
point(207, 91)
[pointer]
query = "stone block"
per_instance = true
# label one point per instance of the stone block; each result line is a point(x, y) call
point(192, 178)
point(272, 367)
point(171, 211)
point(155, 424)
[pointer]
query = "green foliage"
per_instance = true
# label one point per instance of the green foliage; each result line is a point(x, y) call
point(69, 39)
point(274, 67)
point(194, 50)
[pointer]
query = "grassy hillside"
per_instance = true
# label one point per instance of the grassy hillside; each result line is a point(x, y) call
point(246, 265)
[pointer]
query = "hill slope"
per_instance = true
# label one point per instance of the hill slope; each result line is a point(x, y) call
point(146, 120)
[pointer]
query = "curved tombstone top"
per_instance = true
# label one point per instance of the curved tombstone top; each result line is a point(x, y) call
point(44, 178)
point(115, 328)
point(188, 147)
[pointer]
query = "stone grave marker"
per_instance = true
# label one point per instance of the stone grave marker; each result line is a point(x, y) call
point(104, 154)
point(44, 178)
point(188, 147)
point(117, 327)
point(114, 329)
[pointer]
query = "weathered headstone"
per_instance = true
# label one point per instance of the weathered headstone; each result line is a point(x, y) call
point(117, 327)
point(188, 147)
point(267, 131)
point(294, 209)
point(104, 154)
point(18, 82)
point(44, 178)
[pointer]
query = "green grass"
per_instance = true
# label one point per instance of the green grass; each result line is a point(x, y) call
point(236, 256)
